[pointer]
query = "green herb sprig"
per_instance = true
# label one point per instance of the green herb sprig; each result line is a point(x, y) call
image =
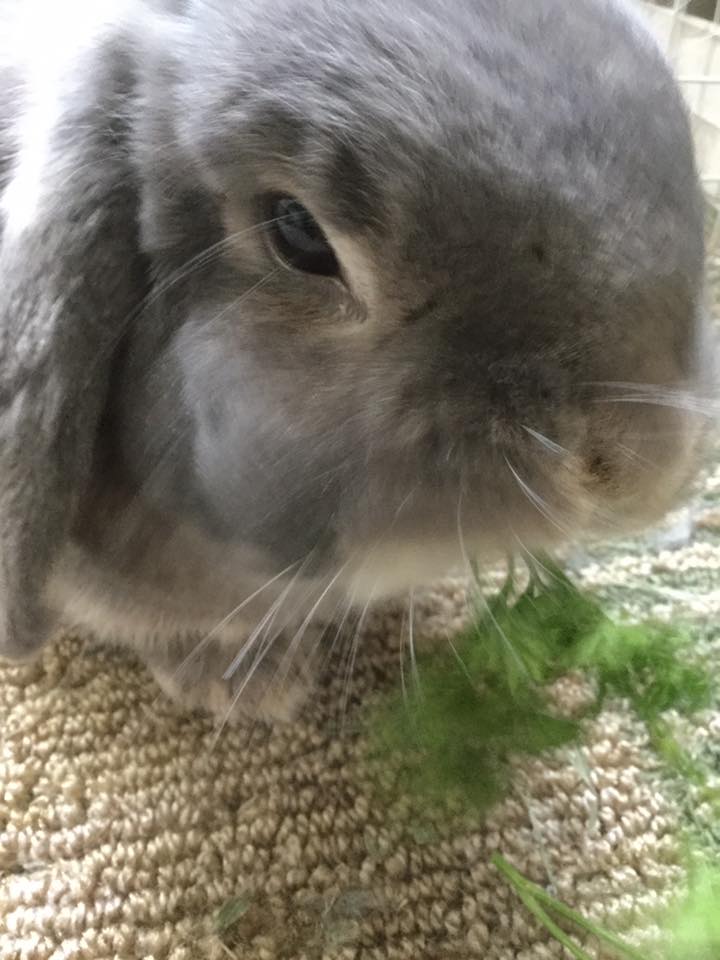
point(692, 927)
point(487, 699)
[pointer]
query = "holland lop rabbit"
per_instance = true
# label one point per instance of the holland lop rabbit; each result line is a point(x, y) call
point(301, 301)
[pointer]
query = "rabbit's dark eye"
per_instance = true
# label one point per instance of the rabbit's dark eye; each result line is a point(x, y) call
point(298, 239)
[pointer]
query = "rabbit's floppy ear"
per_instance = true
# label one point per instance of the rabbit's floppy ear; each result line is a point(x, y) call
point(70, 278)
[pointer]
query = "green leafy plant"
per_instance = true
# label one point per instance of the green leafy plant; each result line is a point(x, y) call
point(694, 924)
point(692, 927)
point(231, 911)
point(487, 697)
point(544, 907)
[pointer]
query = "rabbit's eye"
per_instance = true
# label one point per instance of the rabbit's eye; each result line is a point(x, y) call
point(298, 239)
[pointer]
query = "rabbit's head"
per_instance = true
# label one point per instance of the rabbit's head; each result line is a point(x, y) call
point(378, 284)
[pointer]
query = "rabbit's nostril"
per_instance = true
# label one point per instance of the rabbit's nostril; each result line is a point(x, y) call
point(600, 469)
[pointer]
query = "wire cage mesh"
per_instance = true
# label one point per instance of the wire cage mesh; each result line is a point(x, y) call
point(689, 32)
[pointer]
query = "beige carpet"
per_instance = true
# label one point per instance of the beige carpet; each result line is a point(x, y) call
point(124, 827)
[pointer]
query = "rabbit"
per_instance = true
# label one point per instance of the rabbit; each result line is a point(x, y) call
point(303, 303)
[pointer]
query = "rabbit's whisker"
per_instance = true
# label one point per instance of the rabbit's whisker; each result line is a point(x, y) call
point(545, 442)
point(354, 646)
point(228, 618)
point(540, 504)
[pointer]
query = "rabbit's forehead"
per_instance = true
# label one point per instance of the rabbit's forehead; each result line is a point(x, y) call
point(455, 145)
point(417, 75)
point(407, 141)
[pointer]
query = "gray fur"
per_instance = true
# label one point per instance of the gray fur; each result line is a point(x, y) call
point(512, 193)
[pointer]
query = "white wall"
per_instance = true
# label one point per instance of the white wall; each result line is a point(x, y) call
point(693, 47)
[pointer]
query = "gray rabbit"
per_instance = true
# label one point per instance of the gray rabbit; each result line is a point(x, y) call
point(303, 302)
